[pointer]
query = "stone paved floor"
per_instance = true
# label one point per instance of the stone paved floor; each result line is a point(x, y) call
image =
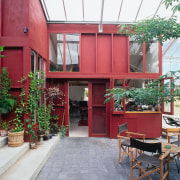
point(90, 159)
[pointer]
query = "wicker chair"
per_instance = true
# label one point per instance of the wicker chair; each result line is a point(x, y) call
point(155, 163)
point(124, 142)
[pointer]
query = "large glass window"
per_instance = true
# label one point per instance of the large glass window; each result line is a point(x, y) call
point(152, 57)
point(33, 61)
point(60, 44)
point(136, 56)
point(72, 52)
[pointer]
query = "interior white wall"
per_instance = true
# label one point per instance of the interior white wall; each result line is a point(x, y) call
point(76, 92)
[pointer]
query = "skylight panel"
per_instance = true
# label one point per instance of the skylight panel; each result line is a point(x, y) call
point(111, 10)
point(129, 10)
point(55, 10)
point(74, 10)
point(92, 10)
point(148, 9)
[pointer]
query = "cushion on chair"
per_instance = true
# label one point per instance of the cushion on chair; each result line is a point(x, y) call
point(125, 142)
point(149, 160)
point(122, 128)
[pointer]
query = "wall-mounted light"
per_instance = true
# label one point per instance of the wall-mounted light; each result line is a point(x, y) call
point(25, 29)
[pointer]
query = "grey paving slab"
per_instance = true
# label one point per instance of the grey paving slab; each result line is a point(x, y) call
point(91, 159)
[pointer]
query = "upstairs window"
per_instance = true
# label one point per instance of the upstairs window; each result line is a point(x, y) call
point(64, 52)
point(143, 58)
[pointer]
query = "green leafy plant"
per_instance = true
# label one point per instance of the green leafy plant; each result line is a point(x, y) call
point(63, 128)
point(44, 116)
point(31, 132)
point(4, 125)
point(153, 94)
point(1, 50)
point(7, 101)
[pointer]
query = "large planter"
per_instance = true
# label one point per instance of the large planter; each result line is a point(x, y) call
point(15, 139)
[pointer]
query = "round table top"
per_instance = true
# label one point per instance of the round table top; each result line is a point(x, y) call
point(173, 148)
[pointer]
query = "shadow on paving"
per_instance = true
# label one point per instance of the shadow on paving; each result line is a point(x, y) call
point(91, 159)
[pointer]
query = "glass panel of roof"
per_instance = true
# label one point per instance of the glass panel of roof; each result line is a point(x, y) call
point(92, 10)
point(163, 12)
point(129, 10)
point(111, 10)
point(55, 10)
point(148, 9)
point(74, 10)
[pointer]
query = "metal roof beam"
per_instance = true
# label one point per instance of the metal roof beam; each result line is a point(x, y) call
point(83, 8)
point(138, 10)
point(64, 9)
point(120, 10)
point(157, 9)
point(101, 20)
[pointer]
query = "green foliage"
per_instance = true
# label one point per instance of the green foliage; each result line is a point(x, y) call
point(44, 116)
point(147, 30)
point(154, 93)
point(7, 101)
point(31, 131)
point(4, 125)
point(174, 4)
point(1, 50)
point(34, 94)
point(62, 130)
point(158, 28)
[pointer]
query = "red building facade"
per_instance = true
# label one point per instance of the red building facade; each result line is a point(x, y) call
point(71, 53)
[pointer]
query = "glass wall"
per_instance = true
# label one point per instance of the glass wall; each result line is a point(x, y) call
point(64, 52)
point(136, 56)
point(152, 57)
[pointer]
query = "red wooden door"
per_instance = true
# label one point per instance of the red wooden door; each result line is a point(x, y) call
point(97, 110)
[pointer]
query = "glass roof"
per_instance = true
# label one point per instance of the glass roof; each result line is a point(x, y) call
point(103, 11)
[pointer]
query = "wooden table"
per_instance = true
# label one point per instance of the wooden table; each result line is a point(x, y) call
point(174, 149)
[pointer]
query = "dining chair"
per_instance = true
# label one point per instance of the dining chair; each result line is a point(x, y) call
point(147, 157)
point(124, 141)
point(177, 143)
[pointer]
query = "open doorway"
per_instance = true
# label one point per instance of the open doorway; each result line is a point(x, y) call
point(78, 108)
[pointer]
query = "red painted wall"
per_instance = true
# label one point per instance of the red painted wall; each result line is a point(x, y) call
point(37, 29)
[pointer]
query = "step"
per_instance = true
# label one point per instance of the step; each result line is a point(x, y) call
point(3, 141)
point(9, 155)
point(30, 164)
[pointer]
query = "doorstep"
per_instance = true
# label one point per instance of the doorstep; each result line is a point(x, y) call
point(30, 164)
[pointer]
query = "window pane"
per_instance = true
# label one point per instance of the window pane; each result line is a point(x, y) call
point(141, 98)
point(152, 57)
point(72, 52)
point(118, 105)
point(136, 56)
point(33, 61)
point(56, 52)
point(39, 63)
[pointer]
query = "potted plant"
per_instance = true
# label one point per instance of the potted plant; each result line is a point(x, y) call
point(63, 128)
point(16, 132)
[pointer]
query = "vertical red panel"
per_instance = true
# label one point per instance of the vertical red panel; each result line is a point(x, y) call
point(13, 61)
point(88, 53)
point(104, 53)
point(120, 54)
point(13, 18)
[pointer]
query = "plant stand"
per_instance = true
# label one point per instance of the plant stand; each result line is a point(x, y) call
point(15, 139)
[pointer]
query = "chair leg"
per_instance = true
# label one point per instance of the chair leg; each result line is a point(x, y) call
point(177, 165)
